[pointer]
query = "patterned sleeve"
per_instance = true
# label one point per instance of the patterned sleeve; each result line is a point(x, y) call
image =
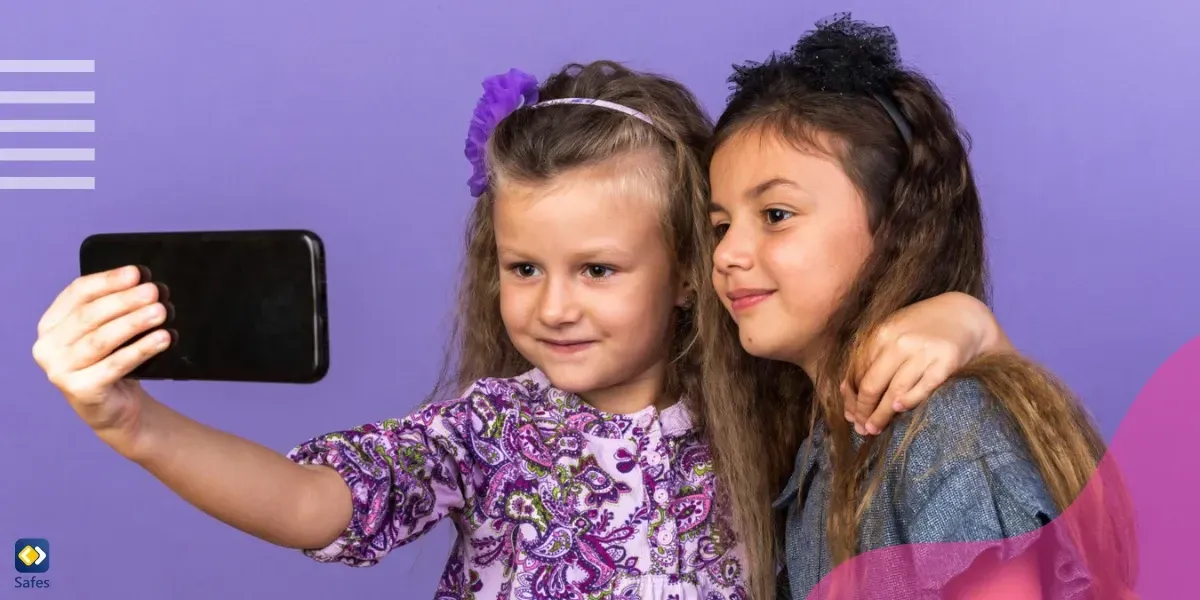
point(405, 475)
point(967, 477)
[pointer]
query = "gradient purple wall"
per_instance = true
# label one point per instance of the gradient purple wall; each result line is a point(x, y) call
point(348, 118)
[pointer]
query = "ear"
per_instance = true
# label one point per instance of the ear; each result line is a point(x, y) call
point(683, 295)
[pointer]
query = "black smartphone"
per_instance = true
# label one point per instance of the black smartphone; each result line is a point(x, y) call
point(242, 305)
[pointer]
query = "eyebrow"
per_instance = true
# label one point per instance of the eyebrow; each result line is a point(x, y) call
point(758, 190)
point(610, 251)
point(768, 185)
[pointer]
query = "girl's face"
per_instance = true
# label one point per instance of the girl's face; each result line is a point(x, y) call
point(587, 292)
point(793, 234)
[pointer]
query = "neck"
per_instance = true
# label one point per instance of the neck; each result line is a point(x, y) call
point(809, 362)
point(811, 356)
point(632, 395)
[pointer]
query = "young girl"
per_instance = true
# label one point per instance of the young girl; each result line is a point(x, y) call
point(842, 193)
point(567, 454)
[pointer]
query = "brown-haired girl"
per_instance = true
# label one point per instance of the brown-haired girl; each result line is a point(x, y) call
point(841, 195)
point(571, 464)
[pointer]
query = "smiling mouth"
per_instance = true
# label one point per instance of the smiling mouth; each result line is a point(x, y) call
point(567, 347)
point(743, 301)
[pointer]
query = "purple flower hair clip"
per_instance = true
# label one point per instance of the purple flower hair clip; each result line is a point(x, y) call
point(502, 94)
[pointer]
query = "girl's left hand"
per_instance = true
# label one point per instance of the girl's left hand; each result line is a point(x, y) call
point(916, 351)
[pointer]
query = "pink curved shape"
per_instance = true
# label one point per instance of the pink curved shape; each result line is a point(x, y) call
point(1156, 455)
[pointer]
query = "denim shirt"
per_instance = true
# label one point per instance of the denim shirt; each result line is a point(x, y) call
point(966, 476)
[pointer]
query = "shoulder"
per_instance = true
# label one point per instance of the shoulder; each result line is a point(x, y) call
point(961, 400)
point(961, 421)
point(962, 433)
point(509, 392)
point(486, 400)
point(959, 469)
point(961, 453)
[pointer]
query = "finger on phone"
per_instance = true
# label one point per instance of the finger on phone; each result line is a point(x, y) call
point(873, 385)
point(905, 378)
point(122, 362)
point(84, 290)
point(103, 341)
point(90, 317)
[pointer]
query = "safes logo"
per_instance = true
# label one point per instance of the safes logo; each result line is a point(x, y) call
point(31, 555)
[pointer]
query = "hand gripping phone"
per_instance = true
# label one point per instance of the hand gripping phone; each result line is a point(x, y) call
point(242, 305)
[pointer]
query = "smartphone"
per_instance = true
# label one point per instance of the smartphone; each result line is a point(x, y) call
point(243, 306)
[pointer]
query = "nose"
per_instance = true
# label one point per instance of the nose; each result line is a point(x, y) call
point(734, 252)
point(558, 305)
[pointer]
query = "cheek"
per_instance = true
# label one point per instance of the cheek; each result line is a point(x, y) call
point(514, 304)
point(636, 309)
point(790, 259)
point(814, 268)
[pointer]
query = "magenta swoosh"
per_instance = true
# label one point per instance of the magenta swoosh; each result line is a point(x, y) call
point(1156, 454)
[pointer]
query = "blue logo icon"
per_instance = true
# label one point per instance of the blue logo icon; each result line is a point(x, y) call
point(32, 555)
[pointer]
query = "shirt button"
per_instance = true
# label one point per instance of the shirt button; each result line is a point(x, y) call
point(645, 421)
point(665, 537)
point(661, 496)
point(652, 457)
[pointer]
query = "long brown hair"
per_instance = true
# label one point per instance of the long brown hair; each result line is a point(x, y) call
point(533, 146)
point(928, 239)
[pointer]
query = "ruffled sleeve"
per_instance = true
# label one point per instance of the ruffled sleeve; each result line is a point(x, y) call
point(405, 475)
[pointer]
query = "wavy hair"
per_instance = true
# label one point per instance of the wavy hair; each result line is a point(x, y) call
point(928, 239)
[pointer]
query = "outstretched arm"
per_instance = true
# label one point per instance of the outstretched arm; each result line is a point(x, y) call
point(349, 496)
point(354, 494)
point(87, 345)
point(241, 483)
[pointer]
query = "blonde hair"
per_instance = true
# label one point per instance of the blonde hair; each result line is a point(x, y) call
point(533, 146)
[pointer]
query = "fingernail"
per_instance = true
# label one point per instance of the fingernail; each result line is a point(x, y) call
point(849, 417)
point(155, 313)
point(162, 339)
point(872, 429)
point(859, 429)
point(898, 407)
point(146, 291)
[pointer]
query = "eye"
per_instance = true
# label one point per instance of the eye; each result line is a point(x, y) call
point(720, 229)
point(524, 270)
point(598, 271)
point(775, 215)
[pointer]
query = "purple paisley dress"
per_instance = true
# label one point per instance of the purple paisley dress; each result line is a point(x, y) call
point(552, 498)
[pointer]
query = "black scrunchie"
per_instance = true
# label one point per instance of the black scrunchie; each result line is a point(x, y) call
point(843, 55)
point(840, 55)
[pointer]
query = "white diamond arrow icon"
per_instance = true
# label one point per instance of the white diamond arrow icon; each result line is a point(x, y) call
point(41, 555)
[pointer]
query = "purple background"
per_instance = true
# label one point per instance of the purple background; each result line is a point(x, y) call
point(348, 118)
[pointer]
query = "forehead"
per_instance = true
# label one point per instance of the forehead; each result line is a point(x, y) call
point(580, 207)
point(757, 155)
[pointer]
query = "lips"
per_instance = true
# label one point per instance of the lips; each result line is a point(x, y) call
point(567, 346)
point(743, 299)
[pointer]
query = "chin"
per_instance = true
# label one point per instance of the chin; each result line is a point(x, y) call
point(573, 379)
point(764, 344)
